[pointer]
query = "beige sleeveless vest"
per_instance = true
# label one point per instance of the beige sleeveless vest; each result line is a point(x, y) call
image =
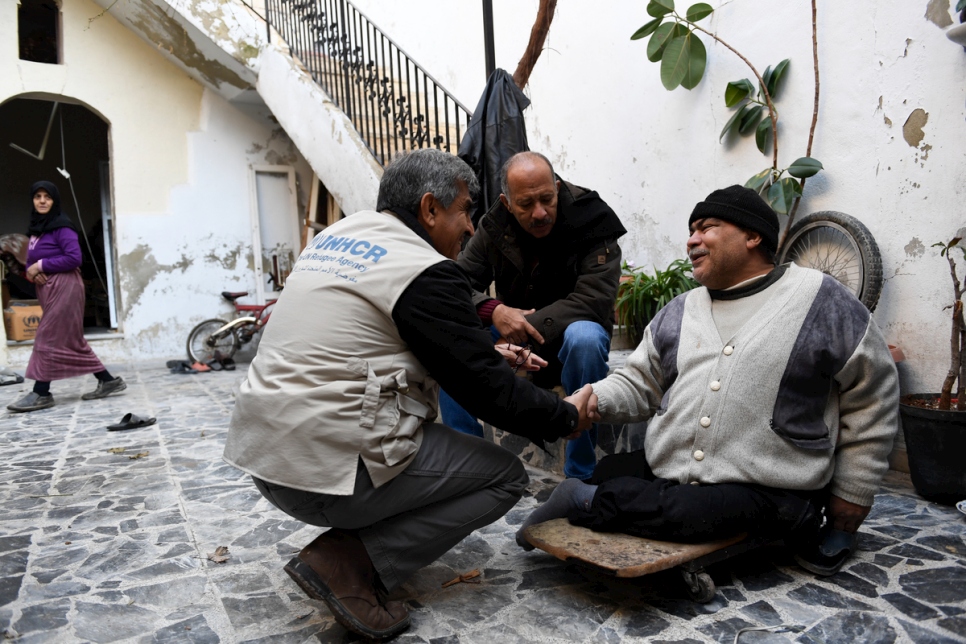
point(332, 379)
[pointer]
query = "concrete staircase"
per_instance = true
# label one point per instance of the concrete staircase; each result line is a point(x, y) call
point(224, 46)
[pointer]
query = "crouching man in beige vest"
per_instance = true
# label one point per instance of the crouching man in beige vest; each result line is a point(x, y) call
point(335, 419)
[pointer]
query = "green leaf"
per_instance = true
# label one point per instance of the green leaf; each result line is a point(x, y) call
point(804, 167)
point(750, 120)
point(737, 91)
point(961, 5)
point(702, 10)
point(696, 63)
point(658, 8)
point(782, 195)
point(765, 77)
point(760, 181)
point(674, 64)
point(774, 80)
point(647, 29)
point(733, 121)
point(763, 134)
point(661, 37)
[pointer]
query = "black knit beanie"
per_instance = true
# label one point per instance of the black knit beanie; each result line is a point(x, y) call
point(742, 207)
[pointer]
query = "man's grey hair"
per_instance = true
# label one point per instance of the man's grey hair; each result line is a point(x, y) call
point(517, 158)
point(413, 174)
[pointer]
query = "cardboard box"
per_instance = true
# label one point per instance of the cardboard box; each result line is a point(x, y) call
point(21, 319)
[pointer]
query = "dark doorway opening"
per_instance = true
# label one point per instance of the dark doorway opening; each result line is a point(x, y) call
point(38, 29)
point(38, 139)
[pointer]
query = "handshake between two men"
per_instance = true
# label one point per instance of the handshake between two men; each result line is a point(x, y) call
point(515, 334)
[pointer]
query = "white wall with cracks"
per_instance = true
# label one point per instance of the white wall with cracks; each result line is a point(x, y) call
point(172, 267)
point(890, 133)
point(181, 157)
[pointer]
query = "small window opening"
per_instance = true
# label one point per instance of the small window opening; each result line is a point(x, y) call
point(38, 23)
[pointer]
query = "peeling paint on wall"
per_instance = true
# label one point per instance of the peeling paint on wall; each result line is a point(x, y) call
point(885, 118)
point(168, 34)
point(937, 12)
point(227, 259)
point(248, 52)
point(915, 248)
point(912, 129)
point(138, 268)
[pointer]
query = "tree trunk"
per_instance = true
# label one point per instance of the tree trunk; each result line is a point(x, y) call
point(961, 389)
point(955, 350)
point(538, 35)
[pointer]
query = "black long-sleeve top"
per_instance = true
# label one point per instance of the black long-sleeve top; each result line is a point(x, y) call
point(436, 317)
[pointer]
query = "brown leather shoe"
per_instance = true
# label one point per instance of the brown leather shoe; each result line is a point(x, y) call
point(336, 569)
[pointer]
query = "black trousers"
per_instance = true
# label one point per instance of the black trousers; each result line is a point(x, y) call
point(631, 499)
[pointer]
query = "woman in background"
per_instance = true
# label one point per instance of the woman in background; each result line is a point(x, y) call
point(53, 265)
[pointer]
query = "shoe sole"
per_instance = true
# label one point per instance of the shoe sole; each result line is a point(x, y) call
point(24, 410)
point(111, 392)
point(817, 569)
point(29, 409)
point(306, 578)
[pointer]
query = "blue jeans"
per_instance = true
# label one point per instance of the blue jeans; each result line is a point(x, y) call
point(583, 355)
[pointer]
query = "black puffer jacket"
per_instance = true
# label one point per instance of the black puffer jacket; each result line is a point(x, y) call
point(575, 270)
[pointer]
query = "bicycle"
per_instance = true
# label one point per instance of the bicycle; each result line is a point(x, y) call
point(839, 245)
point(218, 339)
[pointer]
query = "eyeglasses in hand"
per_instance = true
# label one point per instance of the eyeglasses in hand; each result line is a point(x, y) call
point(522, 353)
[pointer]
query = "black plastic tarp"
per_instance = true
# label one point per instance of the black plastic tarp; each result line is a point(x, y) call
point(495, 133)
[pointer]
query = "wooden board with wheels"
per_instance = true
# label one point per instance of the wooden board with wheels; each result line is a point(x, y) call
point(623, 555)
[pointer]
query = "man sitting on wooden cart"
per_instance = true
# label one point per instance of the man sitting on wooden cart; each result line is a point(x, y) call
point(771, 394)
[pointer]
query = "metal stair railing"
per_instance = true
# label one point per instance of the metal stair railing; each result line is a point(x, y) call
point(394, 104)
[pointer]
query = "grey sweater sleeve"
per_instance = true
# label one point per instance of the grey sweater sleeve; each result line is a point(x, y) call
point(633, 393)
point(868, 418)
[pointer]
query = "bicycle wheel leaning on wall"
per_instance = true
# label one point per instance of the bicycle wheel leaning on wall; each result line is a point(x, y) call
point(205, 344)
point(838, 245)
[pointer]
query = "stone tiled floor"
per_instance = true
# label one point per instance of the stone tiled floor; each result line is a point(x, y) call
point(98, 546)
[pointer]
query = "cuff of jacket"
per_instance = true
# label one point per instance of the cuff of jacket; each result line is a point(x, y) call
point(485, 311)
point(854, 492)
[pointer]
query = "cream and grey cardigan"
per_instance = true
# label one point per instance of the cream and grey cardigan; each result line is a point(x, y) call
point(804, 393)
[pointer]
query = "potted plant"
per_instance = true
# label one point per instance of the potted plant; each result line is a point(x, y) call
point(641, 295)
point(934, 425)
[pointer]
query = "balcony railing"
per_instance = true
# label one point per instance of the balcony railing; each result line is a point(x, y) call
point(392, 102)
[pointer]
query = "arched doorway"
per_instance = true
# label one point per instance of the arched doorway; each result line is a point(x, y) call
point(66, 144)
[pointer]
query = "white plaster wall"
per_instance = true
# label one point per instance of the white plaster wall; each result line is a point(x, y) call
point(180, 158)
point(600, 112)
point(174, 265)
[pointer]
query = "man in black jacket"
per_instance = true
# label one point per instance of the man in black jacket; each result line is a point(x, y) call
point(551, 247)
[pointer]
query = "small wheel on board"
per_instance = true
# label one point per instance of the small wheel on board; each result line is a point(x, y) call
point(203, 346)
point(838, 245)
point(700, 586)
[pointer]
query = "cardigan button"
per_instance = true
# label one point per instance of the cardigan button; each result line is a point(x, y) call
point(715, 386)
point(728, 350)
point(548, 322)
point(699, 455)
point(705, 422)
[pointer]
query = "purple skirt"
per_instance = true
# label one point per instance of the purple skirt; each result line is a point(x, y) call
point(60, 350)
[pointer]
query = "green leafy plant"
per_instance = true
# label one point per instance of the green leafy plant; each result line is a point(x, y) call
point(641, 295)
point(957, 340)
point(675, 44)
